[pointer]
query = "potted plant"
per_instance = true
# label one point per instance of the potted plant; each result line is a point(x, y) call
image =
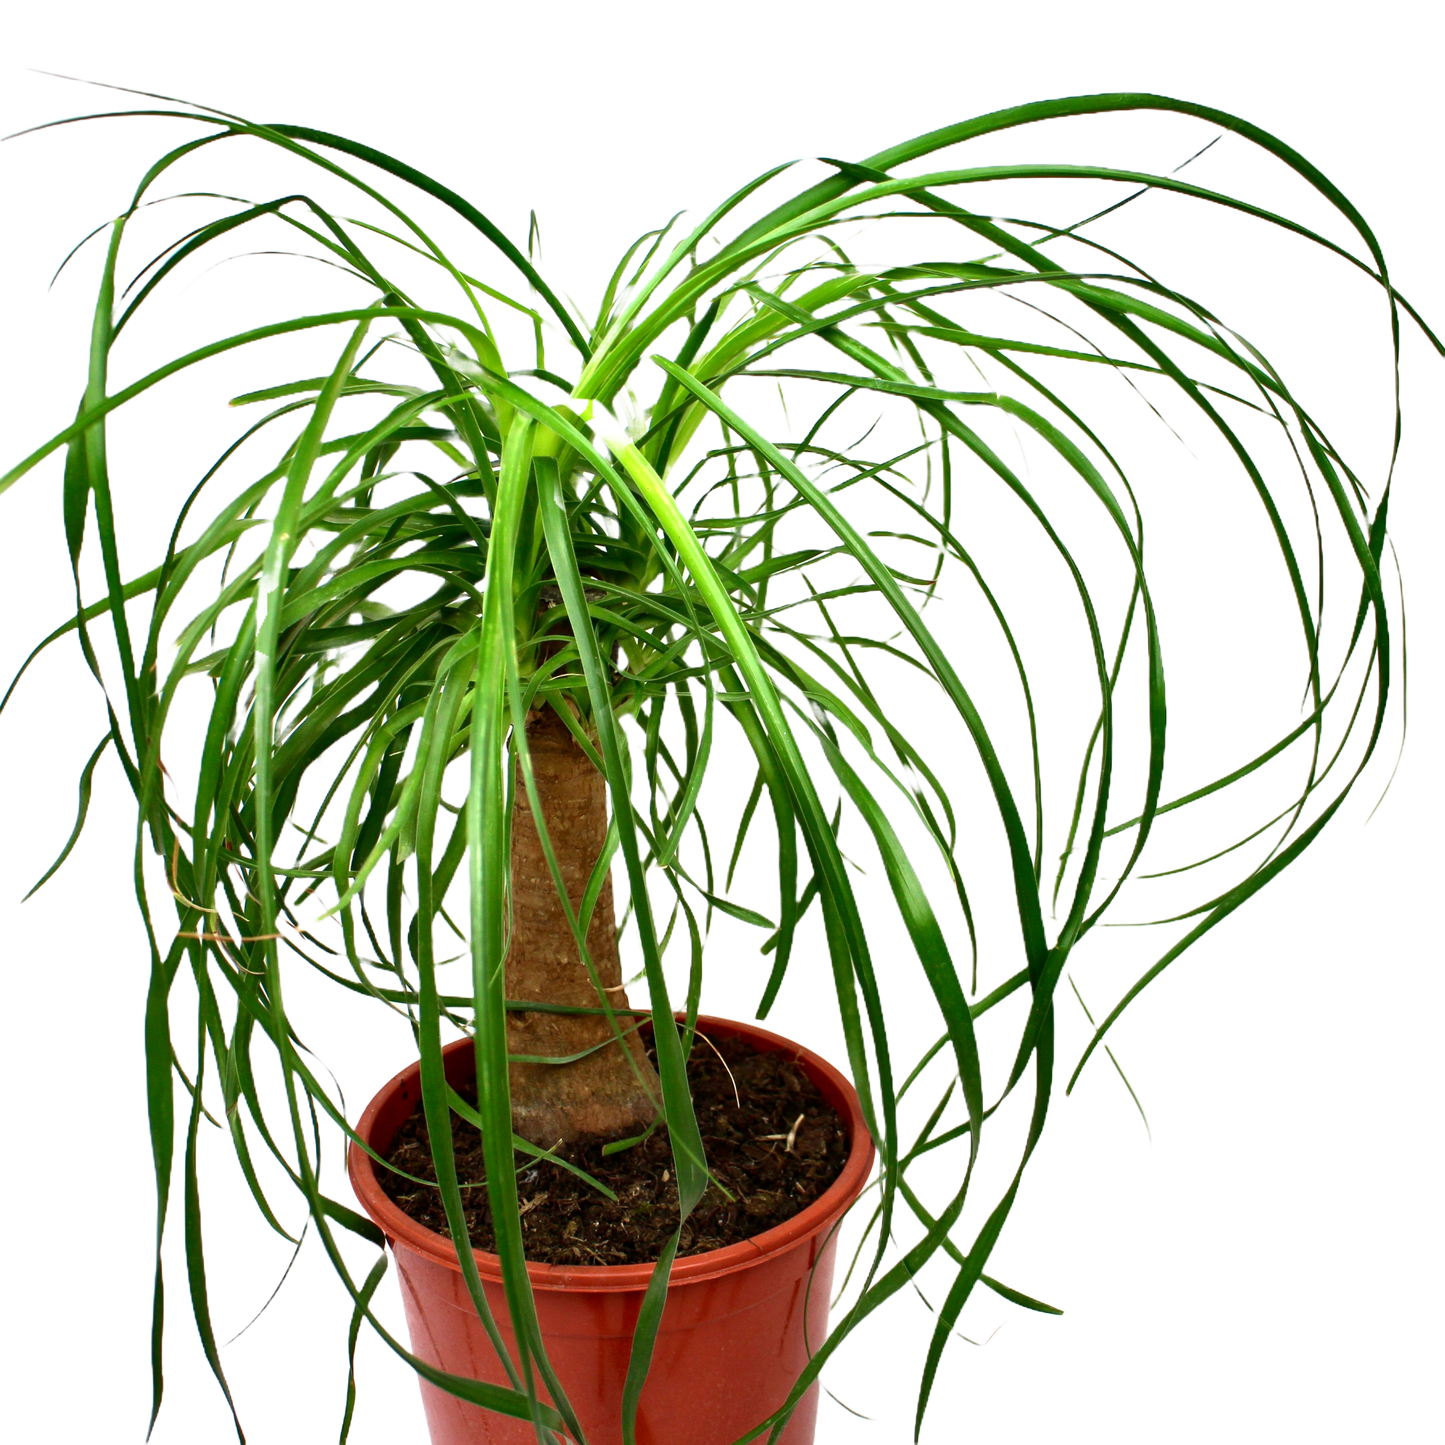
point(474, 623)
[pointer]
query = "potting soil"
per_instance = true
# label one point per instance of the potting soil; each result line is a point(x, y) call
point(773, 1144)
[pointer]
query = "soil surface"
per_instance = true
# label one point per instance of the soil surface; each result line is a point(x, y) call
point(772, 1143)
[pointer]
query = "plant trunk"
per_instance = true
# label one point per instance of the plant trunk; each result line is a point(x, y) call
point(612, 1092)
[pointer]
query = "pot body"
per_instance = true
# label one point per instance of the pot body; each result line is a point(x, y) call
point(739, 1325)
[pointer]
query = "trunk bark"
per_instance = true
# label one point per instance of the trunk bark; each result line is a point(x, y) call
point(610, 1093)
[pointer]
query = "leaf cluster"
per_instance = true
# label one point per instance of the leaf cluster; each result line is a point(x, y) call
point(400, 557)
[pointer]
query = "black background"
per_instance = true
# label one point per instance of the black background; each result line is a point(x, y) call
point(1254, 1267)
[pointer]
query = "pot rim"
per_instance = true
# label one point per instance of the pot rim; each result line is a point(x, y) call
point(822, 1213)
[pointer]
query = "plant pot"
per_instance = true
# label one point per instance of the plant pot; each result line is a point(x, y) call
point(739, 1325)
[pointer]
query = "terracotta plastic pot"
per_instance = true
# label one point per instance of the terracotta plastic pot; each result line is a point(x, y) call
point(739, 1326)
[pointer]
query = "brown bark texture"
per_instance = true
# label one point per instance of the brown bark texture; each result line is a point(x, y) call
point(610, 1093)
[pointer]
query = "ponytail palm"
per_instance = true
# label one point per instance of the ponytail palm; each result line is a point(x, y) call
point(482, 610)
